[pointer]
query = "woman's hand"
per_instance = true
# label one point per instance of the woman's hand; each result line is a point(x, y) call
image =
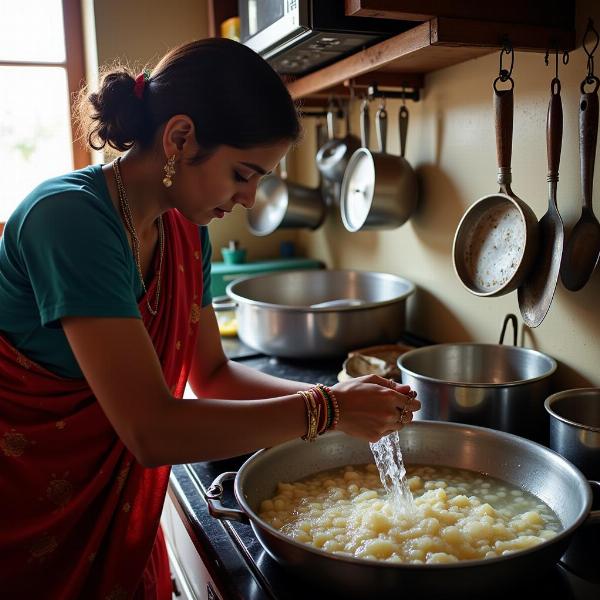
point(372, 406)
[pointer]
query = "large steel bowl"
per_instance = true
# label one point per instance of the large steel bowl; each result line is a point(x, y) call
point(509, 458)
point(319, 313)
point(491, 385)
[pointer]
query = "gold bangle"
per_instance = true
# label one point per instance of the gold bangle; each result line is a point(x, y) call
point(327, 409)
point(311, 416)
point(308, 416)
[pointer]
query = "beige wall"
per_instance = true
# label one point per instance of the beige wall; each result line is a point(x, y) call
point(139, 32)
point(451, 145)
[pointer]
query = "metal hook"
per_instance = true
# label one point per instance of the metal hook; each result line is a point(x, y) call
point(505, 74)
point(555, 85)
point(556, 65)
point(590, 29)
point(352, 90)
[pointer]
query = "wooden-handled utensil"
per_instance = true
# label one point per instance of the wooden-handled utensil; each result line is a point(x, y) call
point(537, 291)
point(583, 246)
point(496, 240)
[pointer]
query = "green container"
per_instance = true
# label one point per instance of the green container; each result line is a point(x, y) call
point(223, 274)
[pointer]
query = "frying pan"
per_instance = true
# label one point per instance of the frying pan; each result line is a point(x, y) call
point(497, 239)
point(537, 291)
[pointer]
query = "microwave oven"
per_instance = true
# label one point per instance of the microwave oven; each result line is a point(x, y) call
point(299, 36)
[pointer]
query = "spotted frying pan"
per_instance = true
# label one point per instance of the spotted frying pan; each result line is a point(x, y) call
point(497, 238)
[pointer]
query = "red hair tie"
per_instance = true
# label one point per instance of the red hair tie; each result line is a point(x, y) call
point(140, 82)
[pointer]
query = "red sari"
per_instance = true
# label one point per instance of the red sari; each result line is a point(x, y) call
point(78, 514)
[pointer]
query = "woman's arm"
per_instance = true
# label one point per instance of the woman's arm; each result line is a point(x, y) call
point(120, 364)
point(213, 375)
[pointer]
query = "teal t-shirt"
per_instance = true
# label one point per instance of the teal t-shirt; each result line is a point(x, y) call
point(64, 252)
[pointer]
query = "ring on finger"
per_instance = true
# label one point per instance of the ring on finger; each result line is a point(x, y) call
point(405, 416)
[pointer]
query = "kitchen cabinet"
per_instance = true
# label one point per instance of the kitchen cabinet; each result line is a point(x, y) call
point(192, 579)
point(446, 32)
point(555, 13)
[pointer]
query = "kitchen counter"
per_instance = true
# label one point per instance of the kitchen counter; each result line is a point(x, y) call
point(238, 566)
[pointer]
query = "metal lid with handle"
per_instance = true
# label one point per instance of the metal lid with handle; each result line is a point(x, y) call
point(379, 190)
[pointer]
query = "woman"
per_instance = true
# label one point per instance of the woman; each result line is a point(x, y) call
point(106, 314)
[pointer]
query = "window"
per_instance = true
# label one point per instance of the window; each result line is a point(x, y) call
point(41, 67)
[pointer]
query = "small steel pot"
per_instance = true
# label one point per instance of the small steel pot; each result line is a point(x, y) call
point(319, 313)
point(283, 205)
point(333, 156)
point(575, 428)
point(502, 387)
point(379, 190)
point(575, 434)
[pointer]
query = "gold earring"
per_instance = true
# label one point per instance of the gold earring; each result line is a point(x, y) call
point(169, 170)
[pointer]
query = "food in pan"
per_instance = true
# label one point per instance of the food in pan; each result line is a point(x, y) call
point(458, 515)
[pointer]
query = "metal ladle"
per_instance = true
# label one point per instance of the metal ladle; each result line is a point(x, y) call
point(536, 293)
point(583, 246)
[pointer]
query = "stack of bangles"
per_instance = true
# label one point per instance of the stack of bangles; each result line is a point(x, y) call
point(322, 411)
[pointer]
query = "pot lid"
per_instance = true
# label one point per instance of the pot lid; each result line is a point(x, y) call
point(358, 188)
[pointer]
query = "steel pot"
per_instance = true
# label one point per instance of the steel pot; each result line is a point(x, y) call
point(514, 460)
point(575, 434)
point(379, 190)
point(283, 205)
point(491, 385)
point(575, 427)
point(332, 157)
point(318, 313)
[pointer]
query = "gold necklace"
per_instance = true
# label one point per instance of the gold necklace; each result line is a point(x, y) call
point(135, 241)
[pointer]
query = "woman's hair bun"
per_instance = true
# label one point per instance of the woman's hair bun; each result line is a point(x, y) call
point(115, 113)
point(231, 94)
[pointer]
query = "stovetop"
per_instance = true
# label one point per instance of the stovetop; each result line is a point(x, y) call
point(241, 567)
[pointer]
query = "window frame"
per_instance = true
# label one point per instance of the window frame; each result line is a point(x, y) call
point(74, 65)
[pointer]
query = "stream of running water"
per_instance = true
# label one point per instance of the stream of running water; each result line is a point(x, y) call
point(388, 458)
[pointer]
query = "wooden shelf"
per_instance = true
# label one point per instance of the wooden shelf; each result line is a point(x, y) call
point(553, 13)
point(434, 44)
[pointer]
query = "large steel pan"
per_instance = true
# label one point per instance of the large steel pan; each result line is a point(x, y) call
point(512, 459)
